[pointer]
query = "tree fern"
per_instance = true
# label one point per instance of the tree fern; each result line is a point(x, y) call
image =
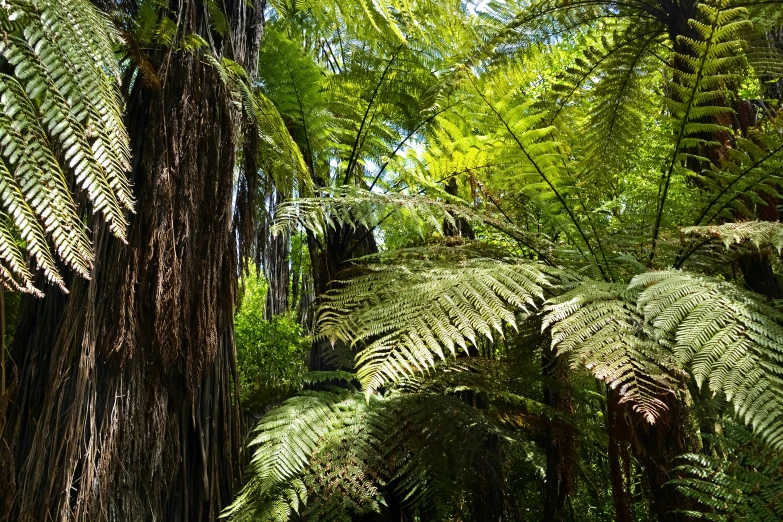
point(745, 485)
point(61, 115)
point(592, 176)
point(525, 149)
point(360, 208)
point(761, 234)
point(344, 455)
point(279, 154)
point(700, 91)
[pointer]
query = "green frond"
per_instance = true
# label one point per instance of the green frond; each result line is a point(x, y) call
point(597, 326)
point(279, 155)
point(527, 153)
point(699, 91)
point(764, 235)
point(744, 486)
point(333, 455)
point(725, 336)
point(402, 319)
point(61, 119)
point(753, 169)
point(620, 102)
point(286, 440)
point(361, 208)
point(293, 83)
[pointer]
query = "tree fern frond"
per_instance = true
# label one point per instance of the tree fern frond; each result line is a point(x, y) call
point(753, 167)
point(61, 114)
point(293, 82)
point(279, 154)
point(17, 274)
point(403, 319)
point(70, 117)
point(761, 234)
point(724, 335)
point(699, 90)
point(597, 326)
point(744, 486)
point(529, 148)
point(34, 170)
point(330, 456)
point(286, 440)
point(360, 208)
point(620, 103)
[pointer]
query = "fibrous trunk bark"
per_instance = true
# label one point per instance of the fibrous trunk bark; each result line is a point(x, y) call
point(272, 256)
point(327, 258)
point(655, 447)
point(123, 406)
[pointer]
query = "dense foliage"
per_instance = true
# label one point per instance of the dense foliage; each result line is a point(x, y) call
point(270, 353)
point(515, 260)
point(61, 112)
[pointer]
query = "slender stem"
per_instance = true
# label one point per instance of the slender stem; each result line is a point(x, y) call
point(405, 140)
point(595, 65)
point(735, 180)
point(354, 152)
point(681, 258)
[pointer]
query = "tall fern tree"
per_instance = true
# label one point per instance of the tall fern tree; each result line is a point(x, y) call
point(121, 403)
point(353, 102)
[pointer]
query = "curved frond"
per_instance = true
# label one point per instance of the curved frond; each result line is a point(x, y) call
point(725, 336)
point(361, 208)
point(402, 319)
point(763, 235)
point(744, 486)
point(597, 326)
point(700, 92)
point(61, 115)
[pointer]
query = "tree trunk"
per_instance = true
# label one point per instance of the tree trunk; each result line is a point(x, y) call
point(655, 446)
point(123, 406)
point(560, 440)
point(619, 457)
point(273, 256)
point(340, 245)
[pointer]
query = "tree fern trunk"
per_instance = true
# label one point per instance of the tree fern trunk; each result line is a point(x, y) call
point(273, 256)
point(560, 441)
point(618, 458)
point(327, 259)
point(656, 446)
point(124, 408)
